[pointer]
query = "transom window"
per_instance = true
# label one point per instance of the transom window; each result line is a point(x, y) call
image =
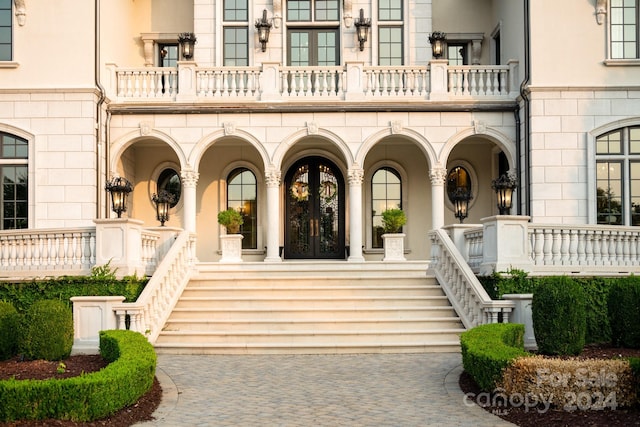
point(5, 30)
point(624, 29)
point(14, 154)
point(308, 10)
point(236, 33)
point(242, 195)
point(618, 177)
point(386, 193)
point(390, 33)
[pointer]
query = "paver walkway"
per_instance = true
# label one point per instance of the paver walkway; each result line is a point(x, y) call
point(316, 390)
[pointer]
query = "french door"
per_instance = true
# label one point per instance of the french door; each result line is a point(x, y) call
point(314, 221)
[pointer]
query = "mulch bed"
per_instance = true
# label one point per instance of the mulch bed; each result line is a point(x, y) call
point(532, 417)
point(142, 410)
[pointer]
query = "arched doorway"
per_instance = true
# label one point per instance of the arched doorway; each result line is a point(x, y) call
point(314, 205)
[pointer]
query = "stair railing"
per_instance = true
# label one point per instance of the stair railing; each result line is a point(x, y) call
point(154, 305)
point(466, 294)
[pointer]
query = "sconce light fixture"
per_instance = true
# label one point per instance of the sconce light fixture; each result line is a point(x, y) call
point(504, 187)
point(437, 40)
point(163, 201)
point(264, 27)
point(362, 29)
point(119, 188)
point(187, 42)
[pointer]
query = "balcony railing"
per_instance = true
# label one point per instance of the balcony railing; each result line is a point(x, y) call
point(353, 82)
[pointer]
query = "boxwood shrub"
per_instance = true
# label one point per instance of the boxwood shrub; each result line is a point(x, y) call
point(9, 321)
point(488, 349)
point(559, 316)
point(88, 397)
point(624, 312)
point(47, 331)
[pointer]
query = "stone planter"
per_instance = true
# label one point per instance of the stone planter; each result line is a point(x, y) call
point(393, 247)
point(231, 248)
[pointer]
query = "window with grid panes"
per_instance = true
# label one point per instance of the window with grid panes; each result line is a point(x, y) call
point(236, 33)
point(14, 152)
point(618, 177)
point(390, 32)
point(386, 193)
point(313, 32)
point(6, 21)
point(624, 28)
point(242, 195)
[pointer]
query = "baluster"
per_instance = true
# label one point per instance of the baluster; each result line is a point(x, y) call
point(466, 77)
point(615, 246)
point(144, 89)
point(633, 252)
point(503, 82)
point(573, 247)
point(555, 248)
point(548, 244)
point(625, 248)
point(539, 246)
point(597, 249)
point(605, 256)
point(582, 247)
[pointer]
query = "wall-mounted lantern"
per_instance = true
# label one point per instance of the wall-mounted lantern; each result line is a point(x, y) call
point(437, 40)
point(362, 29)
point(187, 42)
point(163, 201)
point(264, 28)
point(504, 188)
point(118, 188)
point(459, 191)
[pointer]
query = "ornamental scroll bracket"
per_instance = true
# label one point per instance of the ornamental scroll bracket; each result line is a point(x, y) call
point(601, 11)
point(21, 11)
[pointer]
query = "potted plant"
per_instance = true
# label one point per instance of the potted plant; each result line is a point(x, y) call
point(393, 241)
point(231, 243)
point(231, 219)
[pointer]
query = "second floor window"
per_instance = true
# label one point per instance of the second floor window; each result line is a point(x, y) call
point(236, 33)
point(624, 29)
point(390, 33)
point(14, 152)
point(6, 21)
point(313, 36)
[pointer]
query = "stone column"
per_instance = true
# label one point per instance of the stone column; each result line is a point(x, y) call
point(355, 214)
point(438, 177)
point(272, 178)
point(189, 182)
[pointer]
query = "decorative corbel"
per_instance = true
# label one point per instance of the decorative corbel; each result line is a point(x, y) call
point(348, 17)
point(601, 11)
point(21, 11)
point(277, 13)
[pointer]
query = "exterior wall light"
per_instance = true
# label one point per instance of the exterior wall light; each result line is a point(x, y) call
point(504, 187)
point(118, 188)
point(264, 28)
point(437, 40)
point(163, 201)
point(362, 29)
point(187, 42)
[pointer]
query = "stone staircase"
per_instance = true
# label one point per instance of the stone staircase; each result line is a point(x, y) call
point(311, 308)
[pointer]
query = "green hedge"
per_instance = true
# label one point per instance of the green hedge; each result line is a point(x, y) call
point(624, 312)
point(89, 397)
point(488, 349)
point(559, 316)
point(47, 331)
point(9, 321)
point(23, 294)
point(596, 290)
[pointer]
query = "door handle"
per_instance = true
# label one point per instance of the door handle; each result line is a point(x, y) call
point(314, 228)
point(317, 228)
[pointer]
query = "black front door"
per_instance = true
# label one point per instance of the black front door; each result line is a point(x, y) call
point(314, 221)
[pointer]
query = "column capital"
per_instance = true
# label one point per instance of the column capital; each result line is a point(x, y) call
point(189, 177)
point(272, 177)
point(356, 176)
point(438, 176)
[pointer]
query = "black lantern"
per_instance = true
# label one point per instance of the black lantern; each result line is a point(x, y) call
point(460, 198)
point(504, 187)
point(437, 40)
point(119, 188)
point(362, 29)
point(264, 27)
point(187, 42)
point(163, 201)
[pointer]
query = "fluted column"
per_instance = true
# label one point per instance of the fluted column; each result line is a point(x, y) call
point(438, 177)
point(189, 182)
point(272, 178)
point(355, 214)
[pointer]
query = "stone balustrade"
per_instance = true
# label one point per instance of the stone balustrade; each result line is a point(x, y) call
point(270, 82)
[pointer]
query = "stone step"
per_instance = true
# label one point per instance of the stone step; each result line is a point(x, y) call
point(320, 325)
point(275, 290)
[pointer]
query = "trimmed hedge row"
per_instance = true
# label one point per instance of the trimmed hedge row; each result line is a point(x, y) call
point(624, 312)
point(9, 321)
point(89, 397)
point(47, 331)
point(488, 349)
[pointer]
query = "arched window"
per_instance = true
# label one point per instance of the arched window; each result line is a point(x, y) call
point(242, 195)
point(386, 193)
point(14, 200)
point(169, 180)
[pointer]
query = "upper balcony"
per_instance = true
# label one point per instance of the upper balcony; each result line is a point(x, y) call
point(368, 86)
